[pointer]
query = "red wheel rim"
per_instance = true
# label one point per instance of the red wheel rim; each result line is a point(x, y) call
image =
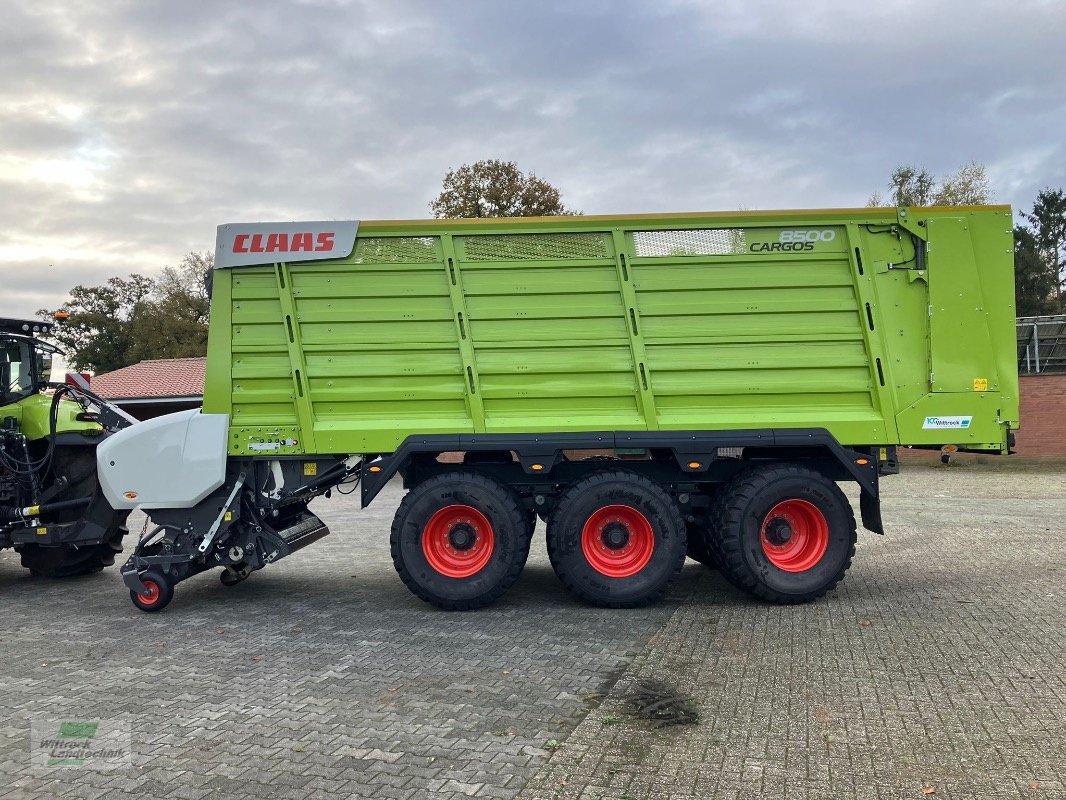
point(795, 535)
point(151, 592)
point(458, 541)
point(617, 541)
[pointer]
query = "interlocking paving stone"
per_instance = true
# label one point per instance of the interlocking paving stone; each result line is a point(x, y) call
point(319, 676)
point(938, 663)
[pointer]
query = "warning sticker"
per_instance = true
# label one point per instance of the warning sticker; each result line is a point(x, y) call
point(955, 423)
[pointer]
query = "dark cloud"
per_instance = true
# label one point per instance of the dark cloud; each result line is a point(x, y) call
point(131, 129)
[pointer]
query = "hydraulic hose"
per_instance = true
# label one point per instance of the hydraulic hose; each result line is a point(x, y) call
point(43, 510)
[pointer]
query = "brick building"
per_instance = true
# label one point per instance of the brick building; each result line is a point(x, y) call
point(153, 388)
point(1043, 412)
point(1042, 384)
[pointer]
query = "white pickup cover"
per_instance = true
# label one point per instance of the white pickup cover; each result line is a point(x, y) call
point(173, 461)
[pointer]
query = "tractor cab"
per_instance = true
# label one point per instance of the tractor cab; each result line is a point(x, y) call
point(25, 360)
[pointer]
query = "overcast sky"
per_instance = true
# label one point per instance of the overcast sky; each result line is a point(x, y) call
point(129, 130)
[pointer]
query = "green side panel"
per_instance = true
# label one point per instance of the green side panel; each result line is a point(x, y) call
point(735, 334)
point(867, 322)
point(380, 345)
point(546, 316)
point(897, 320)
point(973, 377)
point(957, 310)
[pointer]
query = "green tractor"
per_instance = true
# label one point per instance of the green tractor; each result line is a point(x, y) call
point(51, 508)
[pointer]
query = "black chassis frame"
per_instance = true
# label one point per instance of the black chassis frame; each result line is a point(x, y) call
point(541, 468)
point(179, 560)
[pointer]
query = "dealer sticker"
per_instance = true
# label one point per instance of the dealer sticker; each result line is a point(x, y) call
point(937, 423)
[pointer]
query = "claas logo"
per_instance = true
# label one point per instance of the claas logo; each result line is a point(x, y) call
point(283, 242)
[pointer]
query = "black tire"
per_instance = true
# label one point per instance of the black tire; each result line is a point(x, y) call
point(743, 506)
point(68, 561)
point(591, 499)
point(498, 564)
point(161, 592)
point(78, 466)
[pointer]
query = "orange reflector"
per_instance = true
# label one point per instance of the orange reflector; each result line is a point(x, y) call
point(694, 465)
point(536, 467)
point(862, 462)
point(375, 469)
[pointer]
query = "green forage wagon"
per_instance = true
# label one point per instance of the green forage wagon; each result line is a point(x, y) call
point(648, 385)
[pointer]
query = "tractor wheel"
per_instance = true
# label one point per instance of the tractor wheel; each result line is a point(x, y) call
point(158, 593)
point(460, 540)
point(68, 561)
point(783, 533)
point(616, 539)
point(77, 465)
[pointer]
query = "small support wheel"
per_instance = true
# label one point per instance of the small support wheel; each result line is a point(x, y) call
point(157, 594)
point(231, 576)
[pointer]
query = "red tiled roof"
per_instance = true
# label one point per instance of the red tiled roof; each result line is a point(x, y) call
point(165, 377)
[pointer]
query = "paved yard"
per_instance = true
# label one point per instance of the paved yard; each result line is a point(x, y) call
point(937, 666)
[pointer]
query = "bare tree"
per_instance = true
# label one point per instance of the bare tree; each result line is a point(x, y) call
point(966, 187)
point(914, 186)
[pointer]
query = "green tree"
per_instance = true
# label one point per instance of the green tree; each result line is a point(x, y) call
point(127, 320)
point(914, 186)
point(97, 334)
point(496, 189)
point(1048, 221)
point(1036, 284)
